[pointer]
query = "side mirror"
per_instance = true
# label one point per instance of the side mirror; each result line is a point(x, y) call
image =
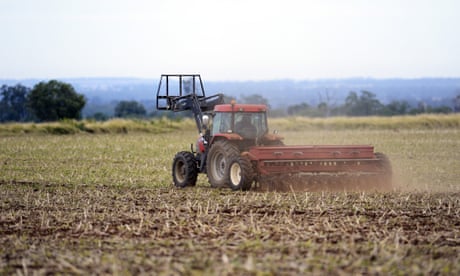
point(205, 121)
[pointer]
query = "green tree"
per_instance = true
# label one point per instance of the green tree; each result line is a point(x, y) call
point(352, 103)
point(304, 109)
point(425, 108)
point(129, 109)
point(13, 104)
point(55, 100)
point(364, 105)
point(396, 108)
point(298, 109)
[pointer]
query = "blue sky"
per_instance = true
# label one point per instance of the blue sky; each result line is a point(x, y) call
point(230, 40)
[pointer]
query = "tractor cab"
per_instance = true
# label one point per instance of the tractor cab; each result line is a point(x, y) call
point(248, 121)
point(245, 125)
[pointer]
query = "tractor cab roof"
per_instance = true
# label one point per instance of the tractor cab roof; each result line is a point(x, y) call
point(240, 108)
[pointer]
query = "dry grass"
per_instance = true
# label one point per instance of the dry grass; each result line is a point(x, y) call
point(161, 125)
point(103, 204)
point(424, 121)
point(114, 126)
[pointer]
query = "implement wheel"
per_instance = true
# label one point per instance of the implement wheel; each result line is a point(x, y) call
point(218, 161)
point(241, 174)
point(184, 169)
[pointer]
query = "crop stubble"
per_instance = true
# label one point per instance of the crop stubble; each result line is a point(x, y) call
point(104, 204)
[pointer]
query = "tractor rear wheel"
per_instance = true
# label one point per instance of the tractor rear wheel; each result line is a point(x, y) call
point(184, 169)
point(218, 161)
point(241, 174)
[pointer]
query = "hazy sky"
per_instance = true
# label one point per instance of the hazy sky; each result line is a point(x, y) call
point(223, 39)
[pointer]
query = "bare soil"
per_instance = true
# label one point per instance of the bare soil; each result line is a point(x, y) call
point(47, 228)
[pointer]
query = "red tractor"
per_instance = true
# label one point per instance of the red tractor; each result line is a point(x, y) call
point(235, 148)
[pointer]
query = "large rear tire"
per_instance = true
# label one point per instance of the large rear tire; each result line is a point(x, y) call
point(241, 174)
point(218, 161)
point(184, 169)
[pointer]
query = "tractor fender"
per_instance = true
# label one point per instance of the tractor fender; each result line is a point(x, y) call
point(227, 136)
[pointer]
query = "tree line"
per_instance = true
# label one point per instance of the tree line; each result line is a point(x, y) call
point(46, 101)
point(55, 100)
point(367, 104)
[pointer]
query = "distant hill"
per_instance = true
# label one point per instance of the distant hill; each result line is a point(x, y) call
point(103, 93)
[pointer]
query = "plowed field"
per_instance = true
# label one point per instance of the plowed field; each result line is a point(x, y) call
point(104, 204)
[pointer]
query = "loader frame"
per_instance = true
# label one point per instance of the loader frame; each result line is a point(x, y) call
point(178, 99)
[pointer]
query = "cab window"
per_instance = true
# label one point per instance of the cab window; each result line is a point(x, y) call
point(221, 123)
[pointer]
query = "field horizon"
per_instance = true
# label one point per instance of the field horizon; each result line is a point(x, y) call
point(290, 123)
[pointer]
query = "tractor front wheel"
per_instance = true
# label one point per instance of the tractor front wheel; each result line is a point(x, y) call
point(241, 174)
point(184, 169)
